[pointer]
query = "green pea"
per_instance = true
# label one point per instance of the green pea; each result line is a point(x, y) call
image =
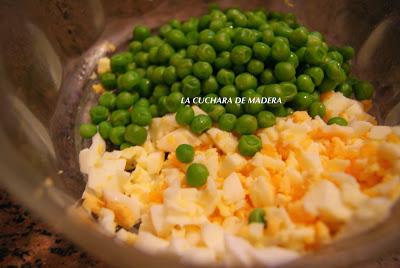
point(280, 28)
point(108, 80)
point(300, 54)
point(164, 53)
point(302, 101)
point(316, 73)
point(226, 122)
point(247, 37)
point(190, 25)
point(176, 87)
point(280, 51)
point(305, 83)
point(160, 91)
point(150, 70)
point(184, 116)
point(174, 101)
point(249, 93)
point(217, 24)
point(245, 81)
point(338, 121)
point(347, 52)
point(119, 61)
point(142, 59)
point(315, 95)
point(141, 72)
point(279, 111)
point(140, 33)
point(157, 75)
point(87, 130)
point(151, 41)
point(284, 71)
point(191, 52)
point(135, 46)
point(228, 91)
point(255, 20)
point(98, 114)
point(200, 123)
point(261, 51)
point(108, 100)
point(142, 102)
point(273, 91)
point(169, 75)
point(314, 55)
point(206, 53)
point(334, 71)
point(184, 68)
point(363, 90)
point(131, 67)
point(153, 110)
point(125, 100)
point(196, 175)
point(265, 119)
point(267, 77)
point(117, 135)
point(192, 38)
point(234, 108)
point(176, 38)
point(175, 23)
point(135, 134)
point(202, 70)
point(255, 106)
point(336, 56)
point(299, 36)
point(222, 41)
point(240, 20)
point(120, 118)
point(204, 21)
point(145, 88)
point(255, 67)
point(268, 37)
point(128, 80)
point(241, 55)
point(223, 61)
point(246, 124)
point(346, 89)
point(208, 106)
point(206, 36)
point(216, 111)
point(153, 55)
point(327, 84)
point(141, 116)
point(257, 215)
point(225, 77)
point(289, 90)
point(185, 153)
point(105, 129)
point(249, 145)
point(293, 60)
point(191, 86)
point(210, 85)
point(314, 39)
point(165, 29)
point(317, 108)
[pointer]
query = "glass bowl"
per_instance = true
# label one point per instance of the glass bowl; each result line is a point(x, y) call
point(49, 50)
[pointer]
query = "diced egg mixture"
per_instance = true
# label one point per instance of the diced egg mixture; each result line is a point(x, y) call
point(316, 183)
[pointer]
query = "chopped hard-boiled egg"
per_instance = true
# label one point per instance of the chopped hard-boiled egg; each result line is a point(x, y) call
point(315, 182)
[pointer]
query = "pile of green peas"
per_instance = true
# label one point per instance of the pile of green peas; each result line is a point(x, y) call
point(224, 53)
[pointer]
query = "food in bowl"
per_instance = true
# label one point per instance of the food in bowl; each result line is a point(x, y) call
point(233, 138)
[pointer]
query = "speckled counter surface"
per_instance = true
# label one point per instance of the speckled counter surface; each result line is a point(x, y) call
point(27, 243)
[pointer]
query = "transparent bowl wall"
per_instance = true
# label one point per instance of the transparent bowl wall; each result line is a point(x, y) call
point(48, 52)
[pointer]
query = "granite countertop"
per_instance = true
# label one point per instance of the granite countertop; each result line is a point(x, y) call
point(26, 242)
